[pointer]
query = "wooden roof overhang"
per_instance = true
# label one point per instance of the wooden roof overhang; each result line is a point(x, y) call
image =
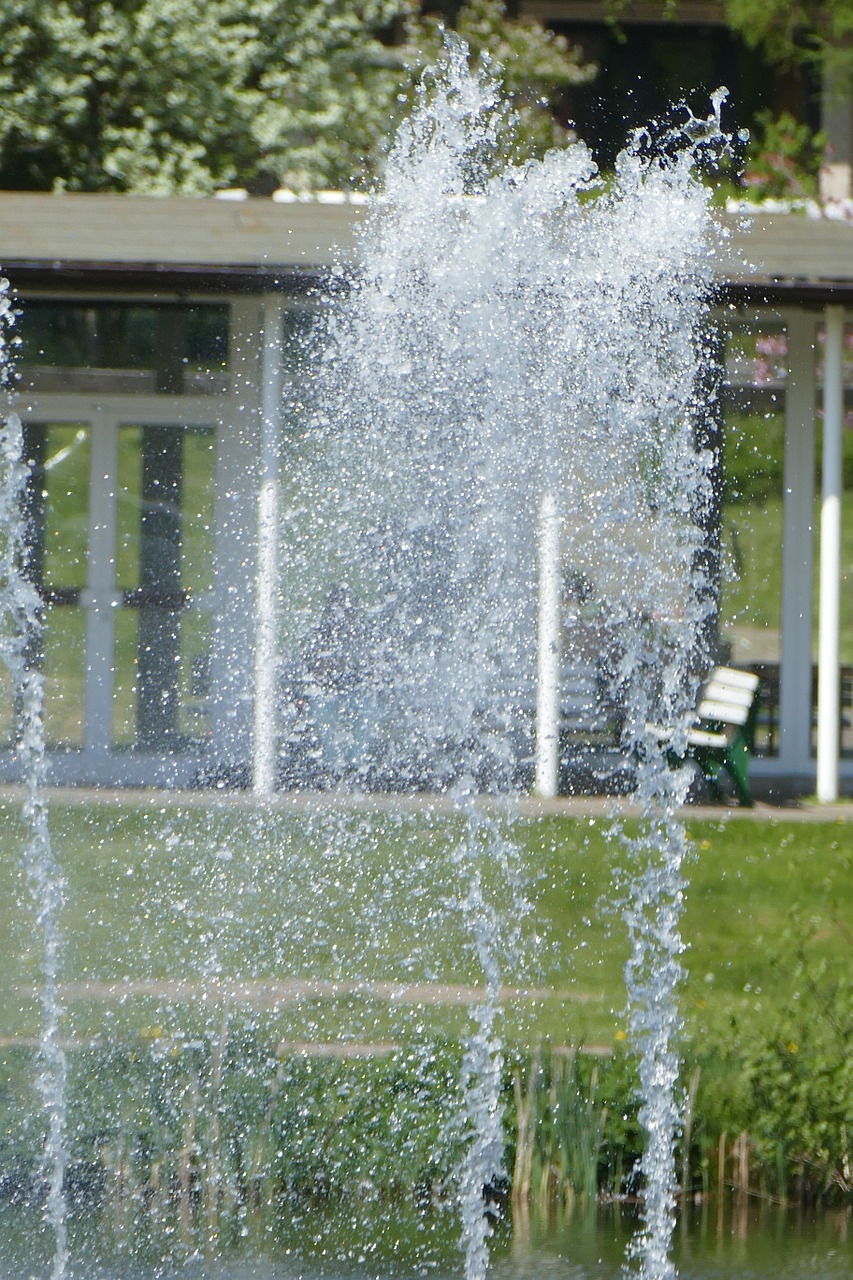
point(176, 248)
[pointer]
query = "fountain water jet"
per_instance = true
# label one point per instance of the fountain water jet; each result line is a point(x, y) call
point(515, 331)
point(19, 636)
point(509, 337)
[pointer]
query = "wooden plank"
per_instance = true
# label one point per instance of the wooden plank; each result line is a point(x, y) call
point(785, 246)
point(736, 678)
point(39, 227)
point(726, 712)
point(717, 692)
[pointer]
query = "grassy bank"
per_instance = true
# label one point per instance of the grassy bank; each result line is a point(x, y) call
point(164, 904)
point(202, 1137)
point(224, 972)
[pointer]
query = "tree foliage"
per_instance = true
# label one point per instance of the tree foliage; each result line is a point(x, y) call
point(792, 31)
point(783, 158)
point(186, 96)
point(788, 32)
point(534, 65)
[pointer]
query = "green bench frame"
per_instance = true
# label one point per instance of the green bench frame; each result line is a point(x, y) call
point(723, 737)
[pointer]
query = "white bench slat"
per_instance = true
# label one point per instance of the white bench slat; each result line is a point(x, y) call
point(701, 738)
point(737, 679)
point(695, 737)
point(727, 697)
point(727, 712)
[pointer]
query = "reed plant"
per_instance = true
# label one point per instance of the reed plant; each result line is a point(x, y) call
point(221, 1138)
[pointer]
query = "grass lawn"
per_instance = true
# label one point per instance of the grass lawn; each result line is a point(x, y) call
point(197, 898)
point(752, 585)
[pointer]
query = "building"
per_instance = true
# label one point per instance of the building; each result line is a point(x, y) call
point(151, 389)
point(150, 359)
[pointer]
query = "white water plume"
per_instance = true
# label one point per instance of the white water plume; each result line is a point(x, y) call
point(516, 330)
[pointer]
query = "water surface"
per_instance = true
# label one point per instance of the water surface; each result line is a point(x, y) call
point(741, 1242)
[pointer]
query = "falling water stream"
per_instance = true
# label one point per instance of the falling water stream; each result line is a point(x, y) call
point(19, 638)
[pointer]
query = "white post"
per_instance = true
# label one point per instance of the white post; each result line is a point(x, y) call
point(236, 524)
point(548, 652)
point(795, 689)
point(828, 709)
point(101, 598)
point(266, 620)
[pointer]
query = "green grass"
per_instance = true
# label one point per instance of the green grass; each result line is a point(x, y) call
point(165, 894)
point(752, 587)
point(752, 531)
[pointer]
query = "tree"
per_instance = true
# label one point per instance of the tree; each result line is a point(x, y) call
point(816, 34)
point(811, 35)
point(186, 96)
point(794, 31)
point(534, 66)
point(788, 31)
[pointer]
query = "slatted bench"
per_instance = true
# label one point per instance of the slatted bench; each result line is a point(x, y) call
point(586, 714)
point(723, 736)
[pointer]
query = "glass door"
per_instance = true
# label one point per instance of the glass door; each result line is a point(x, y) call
point(119, 545)
point(164, 569)
point(56, 521)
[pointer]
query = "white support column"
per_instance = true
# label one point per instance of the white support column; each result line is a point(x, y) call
point(100, 599)
point(828, 700)
point(236, 519)
point(795, 693)
point(548, 652)
point(266, 620)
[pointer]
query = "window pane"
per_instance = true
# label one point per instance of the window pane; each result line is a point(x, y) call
point(7, 708)
point(66, 484)
point(164, 563)
point(58, 517)
point(124, 347)
point(752, 536)
point(64, 670)
point(754, 447)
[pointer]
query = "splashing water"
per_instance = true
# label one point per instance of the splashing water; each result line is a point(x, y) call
point(515, 331)
point(19, 633)
point(519, 330)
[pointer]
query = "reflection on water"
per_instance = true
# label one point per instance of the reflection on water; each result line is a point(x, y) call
point(751, 1241)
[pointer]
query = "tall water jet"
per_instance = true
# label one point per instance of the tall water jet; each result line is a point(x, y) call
point(20, 609)
point(519, 331)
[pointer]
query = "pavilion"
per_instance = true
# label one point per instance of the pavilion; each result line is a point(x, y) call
point(153, 373)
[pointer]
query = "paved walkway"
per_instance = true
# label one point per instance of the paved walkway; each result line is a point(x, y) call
point(276, 994)
point(523, 806)
point(273, 995)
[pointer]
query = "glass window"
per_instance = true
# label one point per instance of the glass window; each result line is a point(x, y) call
point(164, 566)
point(57, 517)
point(77, 346)
point(753, 462)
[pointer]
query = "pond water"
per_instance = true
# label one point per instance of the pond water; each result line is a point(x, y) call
point(755, 1241)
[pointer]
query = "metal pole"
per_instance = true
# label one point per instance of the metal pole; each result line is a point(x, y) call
point(548, 652)
point(266, 621)
point(828, 709)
